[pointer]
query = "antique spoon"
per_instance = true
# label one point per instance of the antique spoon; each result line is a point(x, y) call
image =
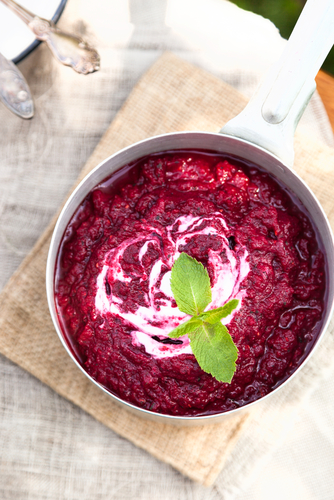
point(69, 49)
point(14, 90)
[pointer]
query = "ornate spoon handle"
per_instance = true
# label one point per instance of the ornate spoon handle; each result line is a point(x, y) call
point(69, 49)
point(14, 90)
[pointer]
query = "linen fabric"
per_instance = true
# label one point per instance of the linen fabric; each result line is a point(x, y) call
point(169, 97)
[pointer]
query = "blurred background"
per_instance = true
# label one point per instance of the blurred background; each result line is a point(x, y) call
point(284, 14)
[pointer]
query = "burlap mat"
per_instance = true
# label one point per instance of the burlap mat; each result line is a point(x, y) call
point(172, 96)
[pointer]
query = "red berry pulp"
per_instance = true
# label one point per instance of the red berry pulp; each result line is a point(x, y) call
point(141, 211)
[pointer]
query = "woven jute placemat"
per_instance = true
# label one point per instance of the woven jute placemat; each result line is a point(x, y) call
point(172, 96)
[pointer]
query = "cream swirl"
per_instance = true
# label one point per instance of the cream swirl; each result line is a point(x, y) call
point(227, 268)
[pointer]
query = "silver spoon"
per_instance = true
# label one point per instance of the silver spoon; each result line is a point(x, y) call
point(69, 49)
point(14, 90)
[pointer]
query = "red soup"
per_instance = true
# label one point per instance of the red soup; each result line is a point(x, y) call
point(112, 281)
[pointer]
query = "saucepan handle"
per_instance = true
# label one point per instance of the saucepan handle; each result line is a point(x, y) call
point(271, 117)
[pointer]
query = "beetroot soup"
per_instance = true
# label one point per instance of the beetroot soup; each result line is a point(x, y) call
point(112, 281)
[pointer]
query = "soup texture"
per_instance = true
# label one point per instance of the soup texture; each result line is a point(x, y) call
point(112, 280)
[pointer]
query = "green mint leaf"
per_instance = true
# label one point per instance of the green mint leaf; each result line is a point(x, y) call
point(215, 315)
point(210, 341)
point(186, 327)
point(190, 284)
point(214, 350)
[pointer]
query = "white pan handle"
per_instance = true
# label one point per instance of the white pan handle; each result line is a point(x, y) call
point(271, 117)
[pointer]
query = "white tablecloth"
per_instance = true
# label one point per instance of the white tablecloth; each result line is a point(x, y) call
point(49, 448)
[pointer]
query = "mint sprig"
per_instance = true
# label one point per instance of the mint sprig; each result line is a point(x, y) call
point(210, 341)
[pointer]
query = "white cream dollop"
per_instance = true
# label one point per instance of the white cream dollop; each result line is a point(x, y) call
point(153, 320)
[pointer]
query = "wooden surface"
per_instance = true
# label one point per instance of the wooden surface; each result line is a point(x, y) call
point(325, 87)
